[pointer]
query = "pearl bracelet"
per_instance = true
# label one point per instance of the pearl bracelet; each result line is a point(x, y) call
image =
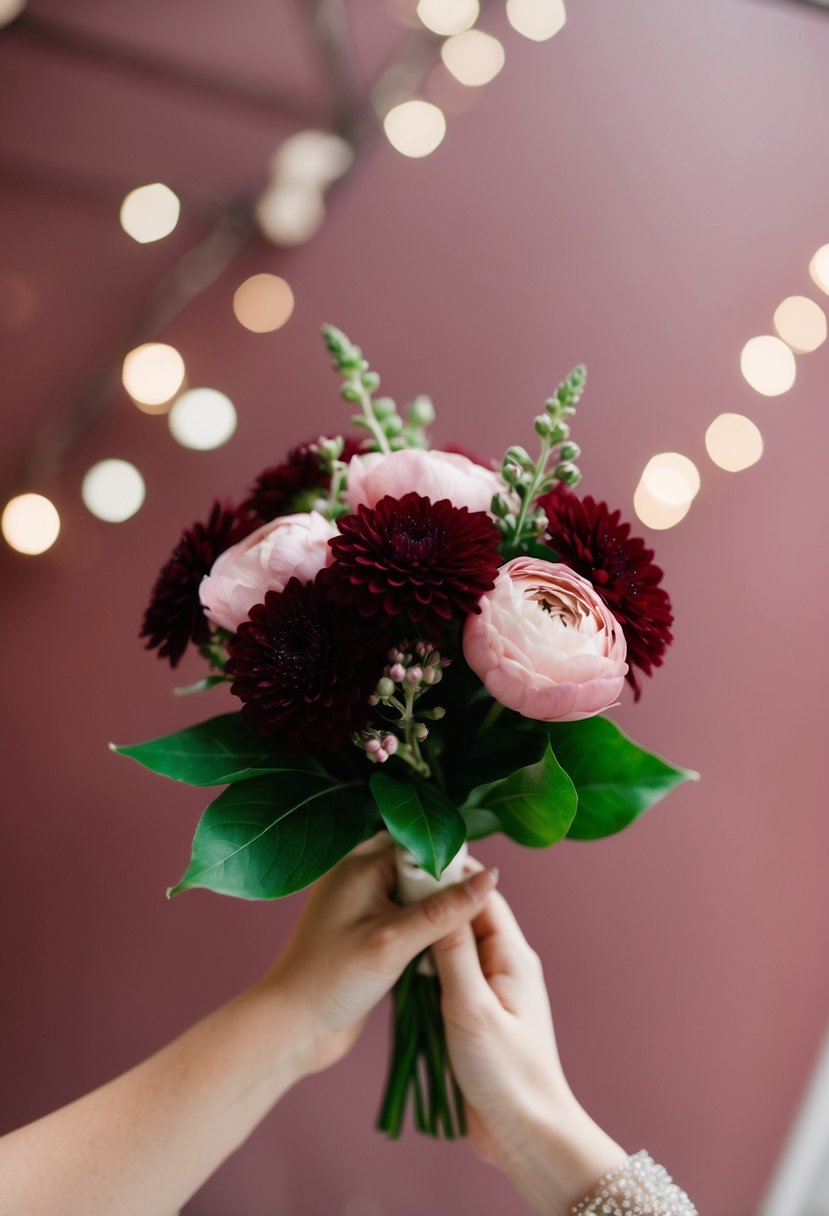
point(640, 1187)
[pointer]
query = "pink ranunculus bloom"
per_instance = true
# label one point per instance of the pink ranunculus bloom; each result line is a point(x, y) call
point(434, 475)
point(545, 644)
point(292, 546)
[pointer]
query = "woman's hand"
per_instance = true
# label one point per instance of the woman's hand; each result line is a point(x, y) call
point(523, 1116)
point(352, 943)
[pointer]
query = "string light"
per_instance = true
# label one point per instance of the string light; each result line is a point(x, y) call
point(657, 514)
point(113, 490)
point(819, 268)
point(415, 128)
point(290, 212)
point(202, 418)
point(801, 323)
point(9, 9)
point(30, 523)
point(768, 365)
point(671, 478)
point(152, 374)
point(537, 20)
point(263, 303)
point(316, 158)
point(448, 16)
point(474, 58)
point(150, 213)
point(733, 442)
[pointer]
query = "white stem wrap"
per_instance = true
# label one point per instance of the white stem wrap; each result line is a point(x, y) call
point(415, 885)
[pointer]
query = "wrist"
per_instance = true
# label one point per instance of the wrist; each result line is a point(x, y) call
point(560, 1159)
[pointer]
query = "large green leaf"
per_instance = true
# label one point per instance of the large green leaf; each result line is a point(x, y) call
point(616, 779)
point(421, 819)
point(217, 752)
point(267, 837)
point(535, 805)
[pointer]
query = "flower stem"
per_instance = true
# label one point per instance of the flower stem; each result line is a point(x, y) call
point(492, 715)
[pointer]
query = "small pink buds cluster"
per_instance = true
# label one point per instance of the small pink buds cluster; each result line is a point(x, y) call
point(413, 665)
point(378, 747)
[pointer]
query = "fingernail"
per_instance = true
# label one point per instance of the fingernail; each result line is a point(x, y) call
point(480, 884)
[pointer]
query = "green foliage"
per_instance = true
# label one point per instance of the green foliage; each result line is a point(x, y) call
point(273, 835)
point(217, 752)
point(535, 805)
point(616, 780)
point(421, 819)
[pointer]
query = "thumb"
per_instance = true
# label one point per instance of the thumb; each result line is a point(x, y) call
point(421, 925)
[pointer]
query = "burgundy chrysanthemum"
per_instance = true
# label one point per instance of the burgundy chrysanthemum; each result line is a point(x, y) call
point(175, 616)
point(428, 561)
point(590, 539)
point(304, 668)
point(278, 490)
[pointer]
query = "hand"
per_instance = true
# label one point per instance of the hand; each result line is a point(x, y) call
point(523, 1116)
point(352, 943)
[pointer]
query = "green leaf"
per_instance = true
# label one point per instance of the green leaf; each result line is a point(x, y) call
point(479, 823)
point(273, 835)
point(217, 752)
point(535, 805)
point(421, 819)
point(616, 779)
point(187, 690)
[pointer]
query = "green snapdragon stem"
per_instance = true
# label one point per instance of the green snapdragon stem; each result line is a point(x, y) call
point(419, 1069)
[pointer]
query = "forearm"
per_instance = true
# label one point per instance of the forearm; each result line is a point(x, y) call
point(144, 1143)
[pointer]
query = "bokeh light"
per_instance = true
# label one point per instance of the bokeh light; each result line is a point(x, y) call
point(202, 418)
point(819, 268)
point(801, 324)
point(474, 58)
point(30, 523)
point(768, 365)
point(113, 490)
point(150, 213)
point(733, 442)
point(448, 16)
point(317, 158)
point(9, 9)
point(263, 303)
point(657, 514)
point(152, 374)
point(671, 478)
point(290, 212)
point(415, 128)
point(537, 20)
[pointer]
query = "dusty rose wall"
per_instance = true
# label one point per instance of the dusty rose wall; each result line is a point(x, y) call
point(639, 194)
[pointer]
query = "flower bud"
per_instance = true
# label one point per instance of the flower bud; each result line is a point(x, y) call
point(421, 412)
point(393, 425)
point(434, 715)
point(569, 451)
point(414, 675)
point(383, 407)
point(373, 746)
point(512, 474)
point(499, 506)
point(391, 744)
point(520, 456)
point(421, 731)
point(371, 381)
point(381, 756)
point(385, 688)
point(349, 393)
point(540, 522)
point(373, 699)
point(543, 426)
point(397, 672)
point(567, 473)
point(560, 432)
point(430, 674)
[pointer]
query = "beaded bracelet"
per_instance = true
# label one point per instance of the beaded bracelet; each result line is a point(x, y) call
point(640, 1187)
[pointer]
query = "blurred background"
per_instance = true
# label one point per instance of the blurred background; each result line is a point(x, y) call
point(641, 187)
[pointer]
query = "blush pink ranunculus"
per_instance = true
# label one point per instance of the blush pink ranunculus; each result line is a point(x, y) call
point(434, 475)
point(292, 546)
point(545, 644)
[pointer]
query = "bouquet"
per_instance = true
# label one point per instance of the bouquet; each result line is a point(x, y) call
point(420, 642)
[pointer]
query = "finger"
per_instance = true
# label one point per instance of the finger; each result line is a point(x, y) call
point(459, 969)
point(497, 919)
point(420, 925)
